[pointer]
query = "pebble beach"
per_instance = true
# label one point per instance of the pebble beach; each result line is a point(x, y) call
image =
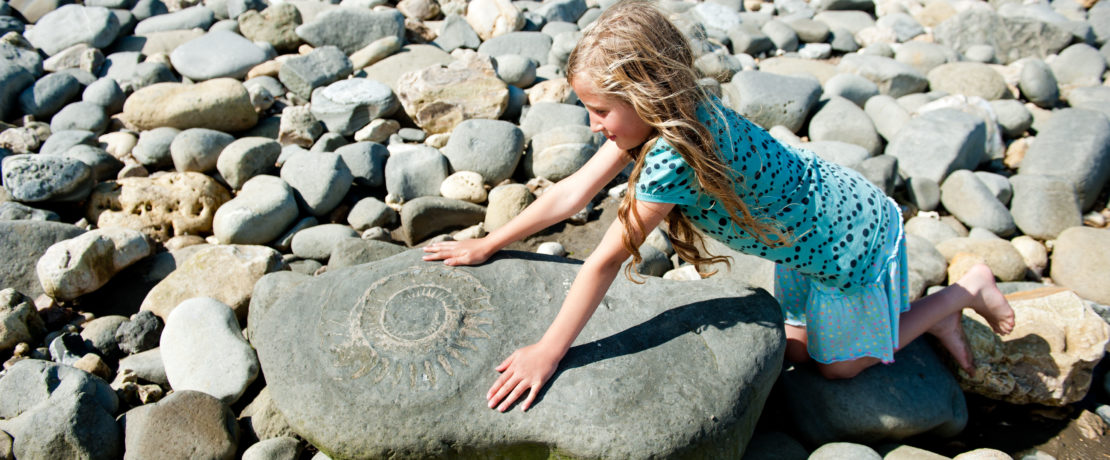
point(175, 171)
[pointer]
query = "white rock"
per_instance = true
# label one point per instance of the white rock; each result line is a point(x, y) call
point(204, 350)
point(553, 248)
point(464, 185)
point(80, 265)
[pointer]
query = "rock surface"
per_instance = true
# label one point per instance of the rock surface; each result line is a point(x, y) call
point(433, 356)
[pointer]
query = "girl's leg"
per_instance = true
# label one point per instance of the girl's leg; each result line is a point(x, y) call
point(939, 314)
point(796, 340)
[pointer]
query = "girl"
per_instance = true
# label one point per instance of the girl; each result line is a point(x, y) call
point(836, 239)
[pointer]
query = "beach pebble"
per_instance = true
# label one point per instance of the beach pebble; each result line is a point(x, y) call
point(436, 100)
point(20, 318)
point(491, 18)
point(1013, 118)
point(139, 333)
point(1044, 206)
point(153, 147)
point(464, 185)
point(226, 273)
point(457, 33)
point(966, 196)
point(1001, 256)
point(1079, 261)
point(853, 87)
point(370, 212)
point(938, 142)
point(321, 67)
point(893, 77)
point(83, 264)
point(275, 25)
point(1073, 145)
point(198, 149)
point(162, 207)
point(317, 242)
point(38, 178)
point(969, 79)
point(299, 127)
point(842, 120)
point(924, 56)
point(194, 17)
point(427, 216)
point(553, 248)
point(283, 448)
point(1091, 98)
point(415, 171)
point(221, 104)
point(217, 54)
point(516, 70)
point(48, 95)
point(1034, 253)
point(796, 96)
point(72, 24)
point(348, 105)
point(781, 34)
point(351, 29)
point(80, 115)
point(245, 158)
point(319, 180)
point(1038, 83)
point(1078, 65)
point(491, 148)
point(505, 202)
point(531, 45)
point(259, 214)
point(843, 451)
point(186, 423)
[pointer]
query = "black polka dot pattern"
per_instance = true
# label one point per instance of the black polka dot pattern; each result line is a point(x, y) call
point(834, 216)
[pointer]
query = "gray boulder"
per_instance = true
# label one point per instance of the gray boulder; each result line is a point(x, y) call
point(186, 424)
point(1038, 84)
point(139, 333)
point(1090, 98)
point(275, 25)
point(1078, 65)
point(46, 178)
point(1044, 206)
point(351, 29)
point(245, 158)
point(261, 211)
point(80, 265)
point(842, 120)
point(750, 93)
point(411, 368)
point(415, 171)
point(347, 105)
point(217, 54)
point(1079, 262)
point(936, 143)
point(80, 115)
point(1013, 38)
point(48, 95)
point(427, 216)
point(841, 153)
point(968, 79)
point(318, 242)
point(60, 141)
point(562, 10)
point(749, 39)
point(544, 116)
point(195, 17)
point(198, 149)
point(355, 251)
point(324, 65)
point(781, 34)
point(13, 80)
point(319, 180)
point(924, 56)
point(1074, 144)
point(915, 395)
point(283, 448)
point(532, 45)
point(57, 411)
point(888, 116)
point(491, 148)
point(843, 451)
point(370, 212)
point(970, 200)
point(106, 93)
point(153, 148)
point(893, 78)
point(1013, 117)
point(72, 24)
point(366, 160)
point(19, 320)
point(853, 87)
point(457, 33)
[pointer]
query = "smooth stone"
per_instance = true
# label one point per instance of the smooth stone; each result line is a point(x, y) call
point(386, 376)
point(545, 116)
point(887, 115)
point(998, 184)
point(319, 180)
point(275, 25)
point(11, 210)
point(1013, 38)
point(457, 33)
point(718, 66)
point(936, 143)
point(881, 170)
point(264, 418)
point(104, 166)
point(409, 58)
point(153, 148)
point(1047, 359)
point(426, 216)
point(798, 67)
point(928, 263)
point(924, 56)
point(59, 142)
point(66, 348)
point(1075, 145)
point(72, 24)
point(749, 39)
point(198, 149)
point(355, 251)
point(204, 350)
point(491, 148)
point(1013, 117)
point(220, 104)
point(1003, 259)
point(370, 212)
point(965, 195)
point(23, 243)
point(13, 80)
point(245, 158)
point(19, 320)
point(893, 78)
point(46, 178)
point(347, 105)
point(258, 214)
point(74, 267)
point(562, 10)
point(516, 70)
point(323, 66)
point(1038, 84)
point(439, 98)
point(80, 115)
point(100, 335)
point(366, 160)
point(414, 172)
point(351, 29)
point(841, 153)
point(146, 365)
point(532, 45)
point(916, 391)
point(52, 410)
point(505, 203)
point(283, 448)
point(972, 79)
point(492, 18)
point(558, 162)
point(1044, 206)
point(317, 242)
point(106, 93)
point(185, 424)
point(751, 92)
point(225, 273)
point(217, 54)
point(48, 95)
point(464, 185)
point(840, 119)
point(138, 333)
point(298, 128)
point(781, 34)
point(1078, 261)
point(844, 450)
point(853, 87)
point(195, 17)
point(1078, 65)
point(141, 75)
point(1090, 98)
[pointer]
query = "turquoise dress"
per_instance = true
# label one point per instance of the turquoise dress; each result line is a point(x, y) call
point(842, 273)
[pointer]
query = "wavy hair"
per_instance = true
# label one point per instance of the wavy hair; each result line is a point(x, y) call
point(634, 54)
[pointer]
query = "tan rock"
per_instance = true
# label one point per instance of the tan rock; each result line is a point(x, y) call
point(934, 13)
point(557, 90)
point(505, 202)
point(92, 364)
point(162, 207)
point(464, 185)
point(439, 98)
point(1015, 152)
point(377, 50)
point(1034, 254)
point(118, 144)
point(271, 68)
point(1081, 260)
point(490, 18)
point(221, 104)
point(226, 273)
point(1090, 425)
point(961, 263)
point(983, 454)
point(1004, 260)
point(80, 265)
point(1048, 359)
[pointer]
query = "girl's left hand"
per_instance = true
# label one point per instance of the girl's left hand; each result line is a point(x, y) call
point(526, 370)
point(466, 252)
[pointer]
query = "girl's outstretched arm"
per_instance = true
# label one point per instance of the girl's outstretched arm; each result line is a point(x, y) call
point(562, 200)
point(529, 368)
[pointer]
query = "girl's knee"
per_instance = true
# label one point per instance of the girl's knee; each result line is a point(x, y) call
point(796, 351)
point(845, 369)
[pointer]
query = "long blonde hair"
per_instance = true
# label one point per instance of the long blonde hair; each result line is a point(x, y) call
point(634, 54)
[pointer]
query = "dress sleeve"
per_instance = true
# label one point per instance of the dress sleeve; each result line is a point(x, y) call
point(666, 178)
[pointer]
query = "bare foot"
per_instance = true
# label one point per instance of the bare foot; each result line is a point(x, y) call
point(988, 300)
point(950, 332)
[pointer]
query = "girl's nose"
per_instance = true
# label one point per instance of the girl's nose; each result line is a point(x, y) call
point(595, 125)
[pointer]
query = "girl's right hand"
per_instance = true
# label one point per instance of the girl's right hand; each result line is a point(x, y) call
point(466, 252)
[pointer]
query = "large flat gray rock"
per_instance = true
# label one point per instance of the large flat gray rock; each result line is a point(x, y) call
point(662, 370)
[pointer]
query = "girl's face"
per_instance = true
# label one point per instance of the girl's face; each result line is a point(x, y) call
point(615, 118)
